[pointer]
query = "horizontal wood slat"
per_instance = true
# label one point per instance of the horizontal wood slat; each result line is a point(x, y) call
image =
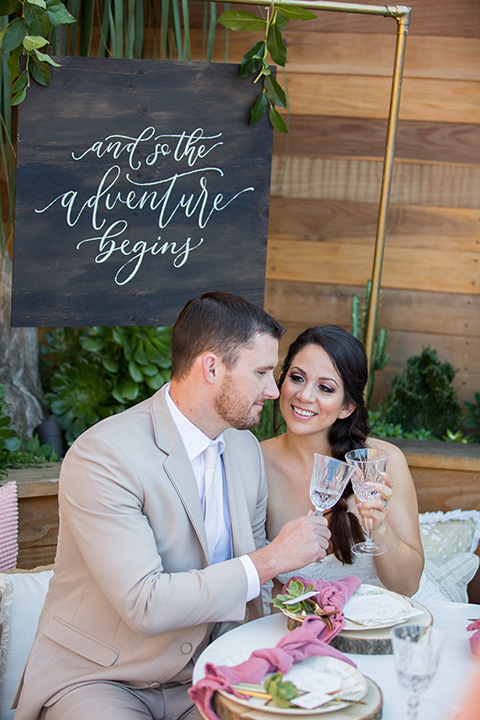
point(363, 96)
point(317, 135)
point(354, 54)
point(419, 270)
point(360, 181)
point(460, 18)
point(348, 221)
point(408, 311)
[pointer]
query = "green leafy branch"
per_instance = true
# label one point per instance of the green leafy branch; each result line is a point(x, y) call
point(25, 35)
point(255, 61)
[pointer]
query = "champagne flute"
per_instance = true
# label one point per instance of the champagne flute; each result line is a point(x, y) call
point(329, 479)
point(416, 650)
point(369, 463)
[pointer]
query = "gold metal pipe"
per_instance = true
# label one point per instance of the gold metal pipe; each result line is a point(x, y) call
point(402, 31)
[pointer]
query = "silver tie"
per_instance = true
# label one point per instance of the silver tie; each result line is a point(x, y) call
point(210, 511)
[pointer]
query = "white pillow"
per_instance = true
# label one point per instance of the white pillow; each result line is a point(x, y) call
point(449, 542)
point(22, 595)
point(445, 534)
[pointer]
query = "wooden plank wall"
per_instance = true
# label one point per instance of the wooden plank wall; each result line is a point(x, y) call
point(325, 186)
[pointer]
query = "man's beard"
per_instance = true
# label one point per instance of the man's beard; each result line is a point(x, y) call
point(232, 407)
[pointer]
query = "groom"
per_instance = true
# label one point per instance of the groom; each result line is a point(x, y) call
point(154, 552)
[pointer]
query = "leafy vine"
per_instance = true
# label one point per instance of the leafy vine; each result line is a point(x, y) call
point(26, 34)
point(255, 62)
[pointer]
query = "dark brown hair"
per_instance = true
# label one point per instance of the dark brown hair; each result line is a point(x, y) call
point(350, 361)
point(220, 322)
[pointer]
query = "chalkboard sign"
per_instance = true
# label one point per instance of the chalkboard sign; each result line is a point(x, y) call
point(140, 185)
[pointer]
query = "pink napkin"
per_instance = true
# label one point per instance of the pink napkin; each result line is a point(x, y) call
point(475, 639)
point(331, 596)
point(311, 638)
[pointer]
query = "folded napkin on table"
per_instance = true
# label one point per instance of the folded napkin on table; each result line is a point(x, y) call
point(311, 638)
point(475, 639)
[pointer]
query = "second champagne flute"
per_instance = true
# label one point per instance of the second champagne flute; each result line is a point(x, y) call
point(369, 462)
point(329, 479)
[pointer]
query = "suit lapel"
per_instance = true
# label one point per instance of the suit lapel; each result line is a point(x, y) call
point(177, 465)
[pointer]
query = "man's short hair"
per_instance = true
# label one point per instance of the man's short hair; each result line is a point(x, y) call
point(219, 322)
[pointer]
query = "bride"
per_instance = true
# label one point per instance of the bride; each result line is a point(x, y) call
point(321, 400)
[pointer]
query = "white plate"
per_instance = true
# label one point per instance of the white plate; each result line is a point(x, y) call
point(352, 684)
point(372, 607)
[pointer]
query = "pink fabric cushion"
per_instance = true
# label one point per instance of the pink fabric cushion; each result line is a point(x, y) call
point(8, 526)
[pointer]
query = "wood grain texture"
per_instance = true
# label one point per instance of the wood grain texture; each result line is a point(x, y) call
point(441, 18)
point(365, 96)
point(421, 269)
point(37, 530)
point(411, 312)
point(354, 222)
point(357, 180)
point(355, 54)
point(320, 135)
point(137, 193)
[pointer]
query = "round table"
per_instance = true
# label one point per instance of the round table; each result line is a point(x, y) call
point(441, 701)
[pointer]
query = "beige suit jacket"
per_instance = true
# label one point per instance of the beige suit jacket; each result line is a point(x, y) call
point(132, 598)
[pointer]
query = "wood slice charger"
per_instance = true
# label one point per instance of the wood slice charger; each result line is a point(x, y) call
point(227, 709)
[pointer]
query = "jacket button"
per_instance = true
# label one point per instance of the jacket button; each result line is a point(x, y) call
point(186, 648)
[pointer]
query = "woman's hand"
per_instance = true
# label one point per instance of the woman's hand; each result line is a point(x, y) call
point(376, 508)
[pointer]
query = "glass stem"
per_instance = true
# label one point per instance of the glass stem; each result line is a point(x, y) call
point(369, 541)
point(412, 707)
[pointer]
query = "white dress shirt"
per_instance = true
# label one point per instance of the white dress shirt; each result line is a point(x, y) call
point(195, 442)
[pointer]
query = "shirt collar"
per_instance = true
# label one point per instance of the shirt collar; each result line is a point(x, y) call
point(194, 440)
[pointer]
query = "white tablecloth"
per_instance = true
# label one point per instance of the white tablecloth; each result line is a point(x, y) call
point(440, 701)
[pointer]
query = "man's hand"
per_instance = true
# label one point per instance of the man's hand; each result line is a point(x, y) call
point(300, 542)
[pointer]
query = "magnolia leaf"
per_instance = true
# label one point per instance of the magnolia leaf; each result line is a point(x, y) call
point(19, 98)
point(242, 20)
point(252, 60)
point(21, 82)
point(275, 92)
point(276, 46)
point(40, 3)
point(31, 42)
point(37, 20)
point(40, 72)
point(295, 12)
point(13, 63)
point(277, 121)
point(258, 110)
point(43, 57)
point(282, 21)
point(8, 7)
point(14, 34)
point(58, 13)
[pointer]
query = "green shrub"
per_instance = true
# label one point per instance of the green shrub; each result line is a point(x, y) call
point(91, 373)
point(472, 419)
point(422, 397)
point(14, 451)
